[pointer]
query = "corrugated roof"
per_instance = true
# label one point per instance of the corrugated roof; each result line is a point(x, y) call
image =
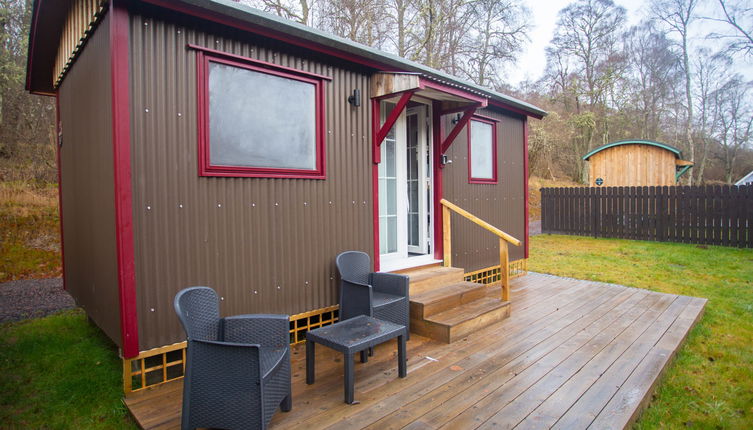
point(261, 18)
point(677, 152)
point(42, 37)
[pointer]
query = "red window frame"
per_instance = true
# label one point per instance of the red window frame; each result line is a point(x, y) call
point(493, 179)
point(203, 58)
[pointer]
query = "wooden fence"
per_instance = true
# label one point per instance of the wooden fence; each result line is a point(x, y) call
point(712, 215)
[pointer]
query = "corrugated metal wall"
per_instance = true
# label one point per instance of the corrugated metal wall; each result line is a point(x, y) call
point(501, 204)
point(88, 188)
point(266, 245)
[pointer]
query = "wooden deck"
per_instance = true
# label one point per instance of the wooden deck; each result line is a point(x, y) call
point(573, 354)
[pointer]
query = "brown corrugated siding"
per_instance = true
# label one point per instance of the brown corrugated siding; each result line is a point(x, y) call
point(500, 204)
point(88, 188)
point(266, 245)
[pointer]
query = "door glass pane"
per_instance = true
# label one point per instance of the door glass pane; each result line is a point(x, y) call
point(392, 234)
point(482, 154)
point(412, 157)
point(388, 198)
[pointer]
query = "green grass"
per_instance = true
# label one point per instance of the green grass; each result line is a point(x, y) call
point(29, 231)
point(710, 384)
point(60, 372)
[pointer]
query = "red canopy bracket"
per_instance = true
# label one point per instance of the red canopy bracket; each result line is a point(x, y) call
point(381, 132)
point(456, 130)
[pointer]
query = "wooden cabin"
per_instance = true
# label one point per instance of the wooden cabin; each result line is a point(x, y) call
point(635, 163)
point(204, 142)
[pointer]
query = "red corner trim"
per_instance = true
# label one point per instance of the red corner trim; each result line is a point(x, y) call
point(456, 130)
point(60, 185)
point(121, 142)
point(390, 121)
point(436, 124)
point(495, 144)
point(525, 180)
point(376, 156)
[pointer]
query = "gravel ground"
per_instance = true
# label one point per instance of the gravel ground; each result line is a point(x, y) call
point(32, 298)
point(534, 228)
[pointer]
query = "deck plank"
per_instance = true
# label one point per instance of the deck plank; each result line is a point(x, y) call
point(590, 404)
point(572, 354)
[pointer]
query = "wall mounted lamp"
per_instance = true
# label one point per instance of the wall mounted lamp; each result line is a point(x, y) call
point(355, 98)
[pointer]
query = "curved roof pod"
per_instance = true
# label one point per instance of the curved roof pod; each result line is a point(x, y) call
point(670, 148)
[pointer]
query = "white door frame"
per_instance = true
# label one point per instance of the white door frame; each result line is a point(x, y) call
point(400, 258)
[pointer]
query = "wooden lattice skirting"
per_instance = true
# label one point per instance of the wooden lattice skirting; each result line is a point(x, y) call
point(167, 363)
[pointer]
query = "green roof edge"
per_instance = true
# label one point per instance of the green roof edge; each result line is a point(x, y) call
point(670, 148)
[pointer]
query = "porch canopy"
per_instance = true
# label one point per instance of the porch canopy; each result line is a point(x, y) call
point(446, 98)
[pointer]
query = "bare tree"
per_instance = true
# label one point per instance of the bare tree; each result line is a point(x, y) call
point(499, 28)
point(677, 15)
point(587, 32)
point(358, 20)
point(735, 121)
point(584, 52)
point(711, 74)
point(739, 18)
point(653, 72)
point(27, 127)
point(294, 10)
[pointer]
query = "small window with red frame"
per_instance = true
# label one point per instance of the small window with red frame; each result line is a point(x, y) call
point(482, 151)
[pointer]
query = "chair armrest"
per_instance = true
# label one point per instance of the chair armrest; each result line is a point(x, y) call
point(262, 329)
point(225, 363)
point(355, 299)
point(390, 283)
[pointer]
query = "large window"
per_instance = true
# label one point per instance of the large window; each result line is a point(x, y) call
point(482, 151)
point(258, 119)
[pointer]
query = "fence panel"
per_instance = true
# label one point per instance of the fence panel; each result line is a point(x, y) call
point(712, 215)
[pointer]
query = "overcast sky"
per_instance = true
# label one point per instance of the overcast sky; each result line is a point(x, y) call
point(544, 16)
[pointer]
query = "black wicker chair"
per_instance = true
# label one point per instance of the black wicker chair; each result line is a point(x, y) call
point(237, 369)
point(379, 295)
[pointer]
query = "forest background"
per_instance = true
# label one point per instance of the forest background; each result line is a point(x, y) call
point(673, 77)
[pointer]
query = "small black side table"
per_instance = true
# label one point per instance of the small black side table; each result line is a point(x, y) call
point(351, 336)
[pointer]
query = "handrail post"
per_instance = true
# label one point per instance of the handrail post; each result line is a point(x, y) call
point(447, 236)
point(504, 269)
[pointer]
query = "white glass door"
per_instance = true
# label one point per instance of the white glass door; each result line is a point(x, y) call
point(392, 189)
point(405, 191)
point(418, 185)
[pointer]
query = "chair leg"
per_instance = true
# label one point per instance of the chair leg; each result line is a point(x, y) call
point(287, 403)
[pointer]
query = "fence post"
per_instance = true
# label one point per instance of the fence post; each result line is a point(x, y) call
point(594, 211)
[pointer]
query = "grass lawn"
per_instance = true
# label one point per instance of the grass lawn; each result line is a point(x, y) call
point(60, 372)
point(710, 384)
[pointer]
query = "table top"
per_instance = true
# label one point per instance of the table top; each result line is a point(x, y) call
point(356, 333)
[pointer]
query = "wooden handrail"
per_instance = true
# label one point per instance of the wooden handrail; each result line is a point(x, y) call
point(504, 239)
point(478, 221)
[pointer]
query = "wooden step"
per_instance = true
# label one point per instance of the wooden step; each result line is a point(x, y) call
point(458, 322)
point(429, 278)
point(440, 299)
